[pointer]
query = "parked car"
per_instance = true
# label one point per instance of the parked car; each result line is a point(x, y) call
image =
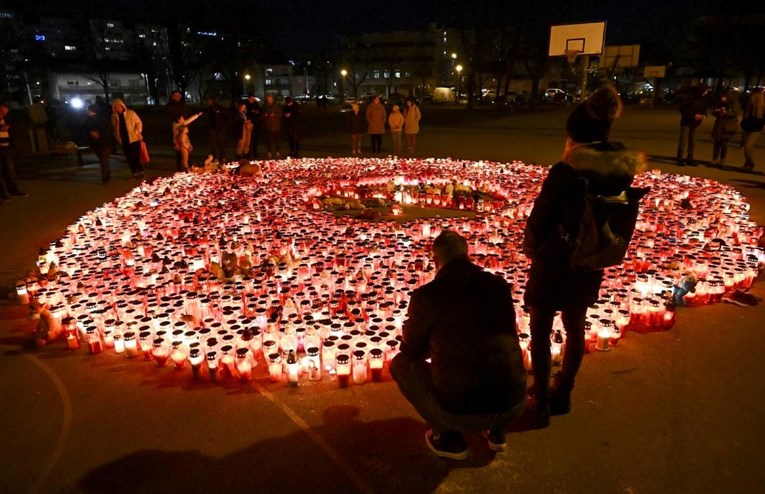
point(556, 95)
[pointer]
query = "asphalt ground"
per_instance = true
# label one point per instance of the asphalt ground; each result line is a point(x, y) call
point(677, 411)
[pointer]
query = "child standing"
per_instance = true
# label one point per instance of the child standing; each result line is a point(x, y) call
point(181, 140)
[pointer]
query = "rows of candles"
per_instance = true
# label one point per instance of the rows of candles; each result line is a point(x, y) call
point(217, 272)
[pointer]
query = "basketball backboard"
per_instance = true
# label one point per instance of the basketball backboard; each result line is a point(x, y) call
point(586, 39)
point(621, 56)
point(654, 71)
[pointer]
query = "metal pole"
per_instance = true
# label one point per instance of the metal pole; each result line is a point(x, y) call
point(585, 66)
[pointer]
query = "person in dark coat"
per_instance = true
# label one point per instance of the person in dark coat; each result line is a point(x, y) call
point(357, 125)
point(726, 113)
point(8, 187)
point(552, 285)
point(464, 322)
point(291, 115)
point(253, 114)
point(272, 124)
point(100, 140)
point(692, 113)
point(218, 122)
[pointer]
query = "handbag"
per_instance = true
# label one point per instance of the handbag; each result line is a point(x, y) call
point(752, 124)
point(143, 154)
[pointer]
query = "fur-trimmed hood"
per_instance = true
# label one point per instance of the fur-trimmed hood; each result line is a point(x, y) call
point(618, 162)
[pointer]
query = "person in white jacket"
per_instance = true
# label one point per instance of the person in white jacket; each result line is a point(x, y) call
point(127, 132)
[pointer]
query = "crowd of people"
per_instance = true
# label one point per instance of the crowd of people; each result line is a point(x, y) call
point(696, 102)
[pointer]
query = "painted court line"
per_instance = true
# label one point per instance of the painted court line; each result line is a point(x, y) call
point(320, 442)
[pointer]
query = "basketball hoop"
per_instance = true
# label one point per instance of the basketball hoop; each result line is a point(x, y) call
point(571, 55)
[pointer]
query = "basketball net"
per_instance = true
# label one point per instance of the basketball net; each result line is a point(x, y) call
point(571, 55)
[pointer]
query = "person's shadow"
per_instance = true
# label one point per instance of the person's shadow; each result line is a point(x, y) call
point(385, 456)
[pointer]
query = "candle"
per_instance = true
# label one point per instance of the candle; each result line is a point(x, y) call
point(343, 369)
point(275, 367)
point(376, 360)
point(131, 345)
point(359, 367)
point(178, 355)
point(243, 365)
point(195, 359)
point(22, 294)
point(293, 369)
point(604, 335)
point(212, 365)
point(313, 363)
point(94, 340)
point(160, 352)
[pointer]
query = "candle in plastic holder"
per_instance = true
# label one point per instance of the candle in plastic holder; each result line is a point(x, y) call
point(243, 365)
point(604, 337)
point(212, 365)
point(328, 354)
point(668, 319)
point(160, 352)
point(94, 340)
point(119, 343)
point(109, 333)
point(391, 349)
point(293, 369)
point(275, 366)
point(376, 361)
point(313, 365)
point(228, 360)
point(195, 359)
point(269, 347)
point(131, 345)
point(178, 355)
point(343, 369)
point(70, 330)
point(144, 341)
point(359, 367)
point(22, 294)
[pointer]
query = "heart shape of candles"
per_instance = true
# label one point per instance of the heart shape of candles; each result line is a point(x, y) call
point(204, 266)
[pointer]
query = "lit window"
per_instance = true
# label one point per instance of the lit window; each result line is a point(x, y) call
point(269, 82)
point(39, 37)
point(70, 48)
point(142, 35)
point(109, 24)
point(398, 74)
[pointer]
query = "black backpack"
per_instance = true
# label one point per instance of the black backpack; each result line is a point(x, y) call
point(605, 229)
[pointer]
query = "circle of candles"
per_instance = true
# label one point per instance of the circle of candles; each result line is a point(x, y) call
point(148, 266)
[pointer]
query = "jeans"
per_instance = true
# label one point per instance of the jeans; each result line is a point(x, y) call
point(131, 151)
point(749, 140)
point(416, 384)
point(687, 139)
point(7, 173)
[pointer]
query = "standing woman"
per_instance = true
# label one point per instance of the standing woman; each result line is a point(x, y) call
point(376, 117)
point(396, 123)
point(356, 125)
point(752, 125)
point(593, 165)
point(412, 117)
point(127, 132)
point(726, 113)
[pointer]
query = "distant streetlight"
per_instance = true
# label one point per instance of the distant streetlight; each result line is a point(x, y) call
point(454, 56)
point(342, 83)
point(247, 78)
point(458, 68)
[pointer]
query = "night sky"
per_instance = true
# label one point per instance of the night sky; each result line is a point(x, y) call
point(309, 26)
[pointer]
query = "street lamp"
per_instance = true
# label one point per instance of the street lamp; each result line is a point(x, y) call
point(342, 83)
point(458, 68)
point(247, 78)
